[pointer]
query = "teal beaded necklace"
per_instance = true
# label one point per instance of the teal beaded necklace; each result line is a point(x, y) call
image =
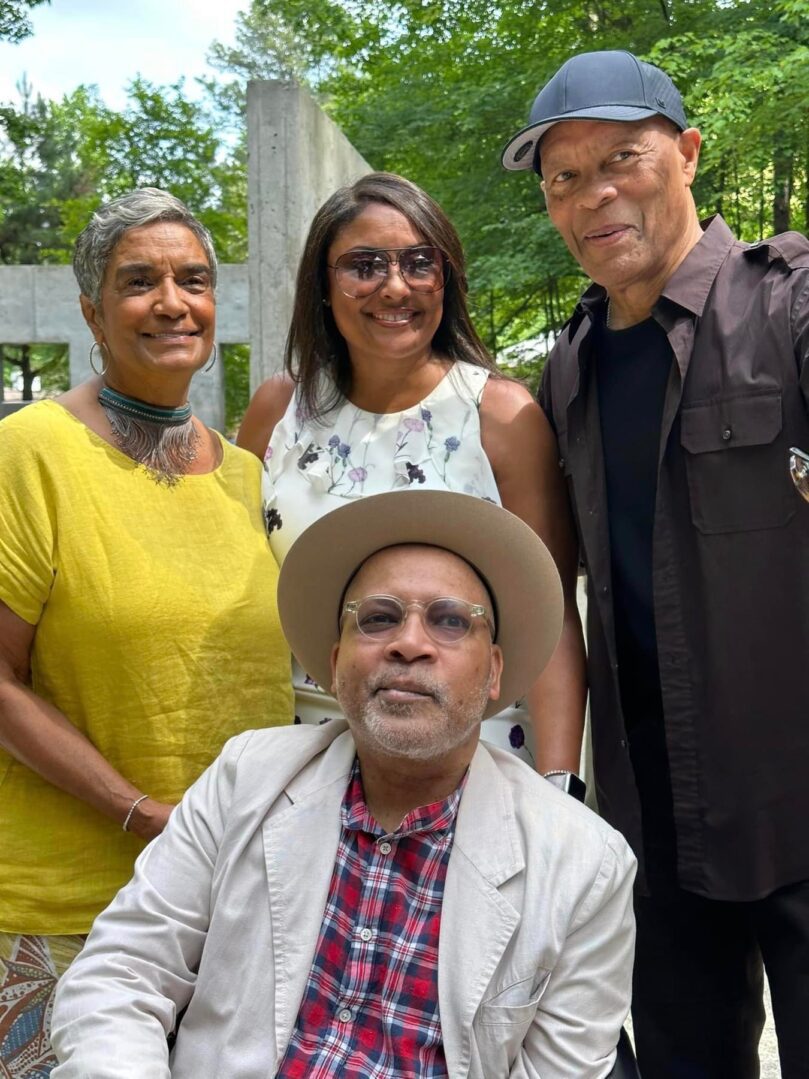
point(141, 410)
point(162, 440)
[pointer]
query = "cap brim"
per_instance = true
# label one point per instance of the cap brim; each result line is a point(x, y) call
point(519, 153)
point(511, 558)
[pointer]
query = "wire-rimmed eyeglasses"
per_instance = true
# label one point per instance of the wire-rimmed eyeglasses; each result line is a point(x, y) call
point(360, 273)
point(446, 619)
point(799, 470)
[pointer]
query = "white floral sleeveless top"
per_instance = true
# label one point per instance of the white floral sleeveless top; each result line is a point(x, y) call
point(312, 467)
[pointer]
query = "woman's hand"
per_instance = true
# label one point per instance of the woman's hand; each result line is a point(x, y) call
point(149, 818)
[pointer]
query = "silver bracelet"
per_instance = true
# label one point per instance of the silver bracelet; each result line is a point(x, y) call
point(558, 772)
point(132, 809)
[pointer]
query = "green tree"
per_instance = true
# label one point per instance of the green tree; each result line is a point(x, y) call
point(14, 22)
point(433, 88)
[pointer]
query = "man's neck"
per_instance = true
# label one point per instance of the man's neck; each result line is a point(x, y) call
point(395, 786)
point(633, 304)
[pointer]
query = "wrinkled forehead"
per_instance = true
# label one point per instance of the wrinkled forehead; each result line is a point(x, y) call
point(588, 134)
point(419, 561)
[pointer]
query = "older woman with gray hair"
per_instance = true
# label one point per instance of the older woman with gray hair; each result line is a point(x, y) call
point(138, 627)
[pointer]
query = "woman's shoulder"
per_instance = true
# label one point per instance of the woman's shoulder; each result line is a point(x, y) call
point(31, 430)
point(504, 398)
point(267, 408)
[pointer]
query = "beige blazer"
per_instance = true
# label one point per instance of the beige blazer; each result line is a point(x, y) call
point(224, 910)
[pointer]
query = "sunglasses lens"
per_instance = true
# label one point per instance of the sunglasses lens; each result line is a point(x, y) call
point(422, 268)
point(359, 273)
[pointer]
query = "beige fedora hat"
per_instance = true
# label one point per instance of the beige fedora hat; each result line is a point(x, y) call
point(513, 561)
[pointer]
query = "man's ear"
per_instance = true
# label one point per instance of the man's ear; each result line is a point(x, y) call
point(496, 672)
point(91, 314)
point(333, 664)
point(689, 142)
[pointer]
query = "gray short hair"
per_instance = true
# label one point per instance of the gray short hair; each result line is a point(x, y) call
point(144, 206)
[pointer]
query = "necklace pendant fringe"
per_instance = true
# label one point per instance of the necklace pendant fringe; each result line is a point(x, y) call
point(164, 451)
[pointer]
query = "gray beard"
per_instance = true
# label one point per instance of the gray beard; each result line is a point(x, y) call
point(370, 718)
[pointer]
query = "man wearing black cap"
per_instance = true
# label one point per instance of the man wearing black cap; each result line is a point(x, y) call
point(676, 390)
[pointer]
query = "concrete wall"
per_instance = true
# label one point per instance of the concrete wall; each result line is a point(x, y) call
point(296, 158)
point(40, 305)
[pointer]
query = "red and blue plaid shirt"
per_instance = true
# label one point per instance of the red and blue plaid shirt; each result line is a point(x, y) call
point(370, 1008)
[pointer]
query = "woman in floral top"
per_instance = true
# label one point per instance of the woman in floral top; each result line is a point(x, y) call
point(387, 385)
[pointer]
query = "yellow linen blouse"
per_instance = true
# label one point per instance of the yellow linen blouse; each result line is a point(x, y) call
point(157, 635)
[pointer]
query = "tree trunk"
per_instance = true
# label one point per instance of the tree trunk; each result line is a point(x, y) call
point(28, 374)
point(782, 187)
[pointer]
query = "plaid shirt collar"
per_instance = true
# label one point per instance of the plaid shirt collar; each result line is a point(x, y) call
point(437, 817)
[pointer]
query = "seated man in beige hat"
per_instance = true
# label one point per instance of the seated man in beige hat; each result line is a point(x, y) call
point(381, 896)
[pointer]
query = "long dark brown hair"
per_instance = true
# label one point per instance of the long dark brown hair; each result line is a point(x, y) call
point(314, 343)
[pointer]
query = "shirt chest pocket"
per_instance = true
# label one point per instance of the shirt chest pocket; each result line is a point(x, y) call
point(736, 464)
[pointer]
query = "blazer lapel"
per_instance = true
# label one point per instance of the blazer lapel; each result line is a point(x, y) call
point(477, 922)
point(300, 847)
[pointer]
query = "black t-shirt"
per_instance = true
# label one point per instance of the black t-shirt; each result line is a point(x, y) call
point(632, 370)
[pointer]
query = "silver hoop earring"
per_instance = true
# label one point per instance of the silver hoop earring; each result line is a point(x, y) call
point(211, 361)
point(104, 366)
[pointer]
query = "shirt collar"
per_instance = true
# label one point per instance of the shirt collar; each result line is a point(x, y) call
point(436, 817)
point(692, 281)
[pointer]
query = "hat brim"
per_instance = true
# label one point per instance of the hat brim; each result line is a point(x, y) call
point(520, 151)
point(511, 558)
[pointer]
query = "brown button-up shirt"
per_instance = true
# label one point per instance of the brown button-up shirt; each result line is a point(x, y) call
point(730, 561)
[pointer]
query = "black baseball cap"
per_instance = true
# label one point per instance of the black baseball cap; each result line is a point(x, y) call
point(595, 86)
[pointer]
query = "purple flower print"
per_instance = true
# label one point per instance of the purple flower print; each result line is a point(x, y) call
point(414, 473)
point(343, 450)
point(426, 415)
point(414, 424)
point(516, 737)
point(269, 453)
point(334, 442)
point(357, 475)
point(452, 444)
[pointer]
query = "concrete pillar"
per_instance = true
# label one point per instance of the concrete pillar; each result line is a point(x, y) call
point(296, 158)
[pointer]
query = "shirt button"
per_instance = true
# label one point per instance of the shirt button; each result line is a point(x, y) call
point(385, 847)
point(366, 934)
point(727, 434)
point(561, 462)
point(344, 1015)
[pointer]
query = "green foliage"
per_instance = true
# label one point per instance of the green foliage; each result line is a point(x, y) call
point(14, 22)
point(434, 88)
point(236, 361)
point(22, 365)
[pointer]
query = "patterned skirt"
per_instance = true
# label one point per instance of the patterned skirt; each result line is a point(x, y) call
point(29, 970)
